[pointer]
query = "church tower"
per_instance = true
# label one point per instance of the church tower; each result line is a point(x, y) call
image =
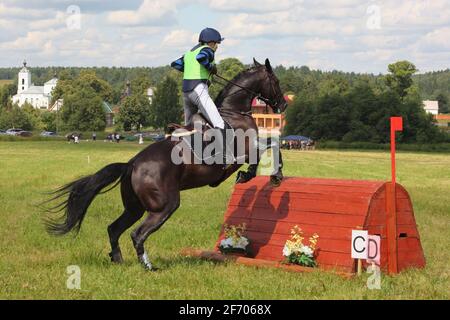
point(24, 79)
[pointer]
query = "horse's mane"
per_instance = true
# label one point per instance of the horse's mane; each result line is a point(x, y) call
point(225, 91)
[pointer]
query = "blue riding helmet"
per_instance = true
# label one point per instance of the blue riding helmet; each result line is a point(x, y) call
point(210, 35)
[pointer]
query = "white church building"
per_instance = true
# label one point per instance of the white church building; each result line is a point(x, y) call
point(38, 96)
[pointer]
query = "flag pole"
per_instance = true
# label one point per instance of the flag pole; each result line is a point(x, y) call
point(391, 205)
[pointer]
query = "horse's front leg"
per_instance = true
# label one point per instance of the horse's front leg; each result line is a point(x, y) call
point(277, 174)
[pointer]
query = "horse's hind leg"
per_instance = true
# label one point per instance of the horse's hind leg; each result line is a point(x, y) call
point(152, 223)
point(115, 230)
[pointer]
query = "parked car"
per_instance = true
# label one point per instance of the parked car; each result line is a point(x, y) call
point(48, 134)
point(2, 132)
point(24, 133)
point(159, 137)
point(13, 132)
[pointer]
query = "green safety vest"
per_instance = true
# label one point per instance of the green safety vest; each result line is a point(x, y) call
point(193, 70)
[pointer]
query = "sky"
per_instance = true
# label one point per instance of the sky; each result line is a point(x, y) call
point(347, 35)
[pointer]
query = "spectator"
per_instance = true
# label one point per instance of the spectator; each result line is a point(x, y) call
point(117, 137)
point(94, 136)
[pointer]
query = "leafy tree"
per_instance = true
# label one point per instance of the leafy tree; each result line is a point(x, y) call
point(140, 84)
point(227, 68)
point(400, 77)
point(166, 107)
point(6, 92)
point(83, 110)
point(49, 121)
point(15, 117)
point(70, 85)
point(443, 100)
point(134, 112)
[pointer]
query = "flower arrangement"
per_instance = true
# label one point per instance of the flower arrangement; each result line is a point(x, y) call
point(296, 252)
point(234, 241)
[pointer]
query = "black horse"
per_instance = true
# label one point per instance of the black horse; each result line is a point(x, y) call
point(151, 182)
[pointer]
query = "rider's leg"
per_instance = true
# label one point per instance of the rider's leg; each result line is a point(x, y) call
point(209, 110)
point(207, 106)
point(189, 109)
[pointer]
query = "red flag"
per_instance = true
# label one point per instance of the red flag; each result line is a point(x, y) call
point(397, 123)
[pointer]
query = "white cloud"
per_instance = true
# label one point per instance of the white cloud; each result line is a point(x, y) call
point(24, 14)
point(151, 12)
point(261, 6)
point(318, 44)
point(436, 40)
point(322, 64)
point(324, 34)
point(180, 38)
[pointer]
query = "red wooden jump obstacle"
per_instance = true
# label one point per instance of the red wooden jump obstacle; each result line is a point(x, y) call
point(332, 208)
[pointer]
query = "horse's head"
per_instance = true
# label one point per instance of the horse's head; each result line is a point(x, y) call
point(270, 88)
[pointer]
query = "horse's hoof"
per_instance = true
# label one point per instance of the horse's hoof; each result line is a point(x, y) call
point(116, 257)
point(146, 264)
point(150, 268)
point(243, 177)
point(275, 181)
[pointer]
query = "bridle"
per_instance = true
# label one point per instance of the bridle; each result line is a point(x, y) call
point(272, 102)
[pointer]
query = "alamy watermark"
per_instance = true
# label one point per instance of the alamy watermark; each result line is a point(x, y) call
point(73, 19)
point(374, 281)
point(74, 277)
point(374, 19)
point(240, 146)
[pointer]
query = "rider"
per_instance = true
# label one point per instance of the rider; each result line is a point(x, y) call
point(198, 65)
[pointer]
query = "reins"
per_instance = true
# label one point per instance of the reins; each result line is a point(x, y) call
point(257, 95)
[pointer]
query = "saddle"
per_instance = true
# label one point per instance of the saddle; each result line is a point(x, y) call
point(206, 143)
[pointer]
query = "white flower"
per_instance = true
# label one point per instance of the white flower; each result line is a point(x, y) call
point(307, 251)
point(241, 243)
point(226, 243)
point(286, 251)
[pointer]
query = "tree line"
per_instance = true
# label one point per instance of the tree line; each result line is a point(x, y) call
point(347, 107)
point(328, 105)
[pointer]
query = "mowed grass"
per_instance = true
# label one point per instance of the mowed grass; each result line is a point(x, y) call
point(33, 265)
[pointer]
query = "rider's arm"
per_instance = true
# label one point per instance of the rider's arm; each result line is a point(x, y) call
point(178, 64)
point(205, 57)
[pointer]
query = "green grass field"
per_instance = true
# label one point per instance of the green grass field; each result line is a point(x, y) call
point(33, 264)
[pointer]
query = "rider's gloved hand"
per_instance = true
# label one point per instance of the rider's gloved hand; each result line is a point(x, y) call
point(213, 69)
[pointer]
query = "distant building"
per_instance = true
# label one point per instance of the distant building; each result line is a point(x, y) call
point(38, 96)
point(109, 114)
point(431, 106)
point(443, 120)
point(128, 91)
point(266, 120)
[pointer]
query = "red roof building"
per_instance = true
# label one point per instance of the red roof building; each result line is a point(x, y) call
point(266, 120)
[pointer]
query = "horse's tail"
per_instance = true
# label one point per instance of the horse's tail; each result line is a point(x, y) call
point(80, 194)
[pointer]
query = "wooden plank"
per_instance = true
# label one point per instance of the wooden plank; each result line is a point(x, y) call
point(336, 245)
point(410, 230)
point(303, 205)
point(326, 257)
point(308, 192)
point(403, 218)
point(285, 228)
point(299, 217)
point(212, 255)
point(313, 188)
point(264, 181)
